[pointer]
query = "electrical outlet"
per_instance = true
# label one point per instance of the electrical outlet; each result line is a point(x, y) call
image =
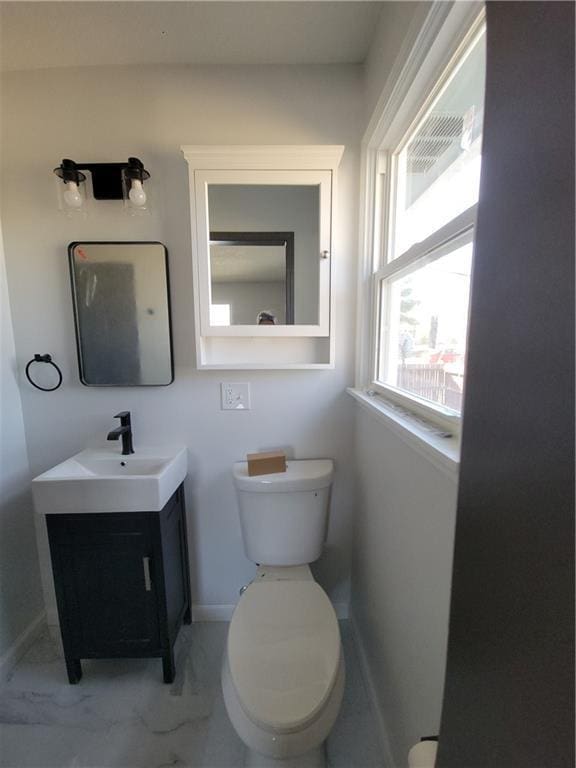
point(235, 396)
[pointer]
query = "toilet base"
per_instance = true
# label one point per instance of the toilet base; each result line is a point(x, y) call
point(316, 758)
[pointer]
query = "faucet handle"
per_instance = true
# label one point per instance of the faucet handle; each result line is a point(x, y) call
point(124, 417)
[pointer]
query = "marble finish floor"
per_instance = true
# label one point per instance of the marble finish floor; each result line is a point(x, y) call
point(121, 715)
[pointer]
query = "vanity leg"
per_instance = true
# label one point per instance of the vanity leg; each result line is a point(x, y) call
point(74, 669)
point(169, 666)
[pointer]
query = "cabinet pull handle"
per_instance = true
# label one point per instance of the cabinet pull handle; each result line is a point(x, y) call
point(147, 579)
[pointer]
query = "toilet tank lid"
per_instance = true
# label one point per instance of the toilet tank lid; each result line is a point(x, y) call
point(300, 475)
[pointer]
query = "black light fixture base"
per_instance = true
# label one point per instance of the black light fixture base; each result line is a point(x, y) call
point(107, 177)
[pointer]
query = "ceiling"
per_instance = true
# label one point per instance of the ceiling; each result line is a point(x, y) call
point(39, 35)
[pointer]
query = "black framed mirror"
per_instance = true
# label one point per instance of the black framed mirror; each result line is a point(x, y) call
point(252, 278)
point(121, 298)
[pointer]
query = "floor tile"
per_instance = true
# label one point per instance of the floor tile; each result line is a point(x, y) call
point(121, 715)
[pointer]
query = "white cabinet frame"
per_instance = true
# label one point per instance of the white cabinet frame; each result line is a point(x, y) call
point(249, 346)
point(321, 179)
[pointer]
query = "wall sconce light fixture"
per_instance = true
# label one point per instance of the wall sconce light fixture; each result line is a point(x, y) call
point(133, 177)
point(110, 181)
point(72, 193)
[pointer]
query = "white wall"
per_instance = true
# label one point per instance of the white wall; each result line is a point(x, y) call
point(404, 523)
point(98, 114)
point(20, 593)
point(404, 535)
point(389, 39)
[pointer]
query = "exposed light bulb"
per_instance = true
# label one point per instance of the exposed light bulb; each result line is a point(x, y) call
point(137, 195)
point(72, 196)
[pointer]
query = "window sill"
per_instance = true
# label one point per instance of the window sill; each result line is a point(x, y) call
point(443, 452)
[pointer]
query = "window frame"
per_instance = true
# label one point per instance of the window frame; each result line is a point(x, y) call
point(381, 150)
point(456, 233)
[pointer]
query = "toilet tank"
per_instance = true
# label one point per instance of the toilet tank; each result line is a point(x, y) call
point(284, 516)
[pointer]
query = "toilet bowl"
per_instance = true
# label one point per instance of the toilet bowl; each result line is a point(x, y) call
point(283, 670)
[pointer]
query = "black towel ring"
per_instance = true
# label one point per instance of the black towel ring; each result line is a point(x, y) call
point(43, 359)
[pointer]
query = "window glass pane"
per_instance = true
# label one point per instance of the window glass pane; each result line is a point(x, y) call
point(219, 314)
point(438, 171)
point(424, 351)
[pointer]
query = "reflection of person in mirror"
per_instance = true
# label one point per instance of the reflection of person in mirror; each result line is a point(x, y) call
point(266, 318)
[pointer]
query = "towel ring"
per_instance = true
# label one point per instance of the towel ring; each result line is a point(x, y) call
point(43, 359)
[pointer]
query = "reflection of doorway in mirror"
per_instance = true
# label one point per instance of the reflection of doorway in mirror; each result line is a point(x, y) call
point(251, 273)
point(275, 208)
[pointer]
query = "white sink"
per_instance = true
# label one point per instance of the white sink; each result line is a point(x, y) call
point(102, 480)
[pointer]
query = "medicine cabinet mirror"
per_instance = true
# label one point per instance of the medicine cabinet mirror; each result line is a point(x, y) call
point(262, 249)
point(296, 204)
point(120, 293)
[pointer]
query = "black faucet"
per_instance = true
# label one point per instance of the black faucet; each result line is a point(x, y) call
point(124, 431)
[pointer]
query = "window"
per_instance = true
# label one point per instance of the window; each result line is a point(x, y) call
point(424, 263)
point(220, 314)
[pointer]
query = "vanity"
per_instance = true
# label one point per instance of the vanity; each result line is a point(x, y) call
point(118, 545)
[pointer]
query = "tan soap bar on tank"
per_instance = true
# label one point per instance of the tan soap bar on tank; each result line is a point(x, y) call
point(266, 463)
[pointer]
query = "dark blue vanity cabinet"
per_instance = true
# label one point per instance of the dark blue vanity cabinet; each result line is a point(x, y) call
point(122, 583)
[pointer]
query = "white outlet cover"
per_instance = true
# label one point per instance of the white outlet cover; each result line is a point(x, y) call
point(235, 395)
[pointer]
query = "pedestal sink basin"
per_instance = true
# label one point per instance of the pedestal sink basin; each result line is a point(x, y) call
point(102, 480)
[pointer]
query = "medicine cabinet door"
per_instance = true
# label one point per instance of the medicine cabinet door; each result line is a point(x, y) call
point(263, 247)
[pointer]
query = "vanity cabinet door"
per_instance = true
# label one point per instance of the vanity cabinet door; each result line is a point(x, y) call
point(114, 586)
point(122, 583)
point(104, 573)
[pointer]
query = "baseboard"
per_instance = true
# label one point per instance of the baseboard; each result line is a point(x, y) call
point(388, 758)
point(22, 643)
point(224, 612)
point(213, 612)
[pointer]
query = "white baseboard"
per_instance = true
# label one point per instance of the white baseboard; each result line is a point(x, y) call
point(19, 647)
point(224, 612)
point(388, 759)
point(212, 612)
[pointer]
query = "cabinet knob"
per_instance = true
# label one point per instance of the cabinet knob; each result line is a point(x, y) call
point(324, 254)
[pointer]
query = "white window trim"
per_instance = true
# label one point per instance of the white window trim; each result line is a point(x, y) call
point(442, 452)
point(432, 44)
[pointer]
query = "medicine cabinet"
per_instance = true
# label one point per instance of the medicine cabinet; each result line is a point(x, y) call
point(263, 254)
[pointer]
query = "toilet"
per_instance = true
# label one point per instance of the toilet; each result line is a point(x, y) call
point(283, 670)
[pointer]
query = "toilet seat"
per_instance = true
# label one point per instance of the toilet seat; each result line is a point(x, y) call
point(283, 653)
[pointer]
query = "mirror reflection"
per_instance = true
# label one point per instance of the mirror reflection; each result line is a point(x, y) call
point(120, 293)
point(252, 278)
point(264, 254)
